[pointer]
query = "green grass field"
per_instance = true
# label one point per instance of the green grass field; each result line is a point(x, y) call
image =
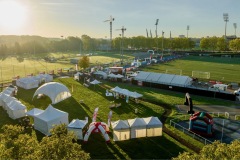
point(163, 147)
point(221, 69)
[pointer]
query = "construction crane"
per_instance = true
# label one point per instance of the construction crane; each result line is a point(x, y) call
point(122, 29)
point(111, 19)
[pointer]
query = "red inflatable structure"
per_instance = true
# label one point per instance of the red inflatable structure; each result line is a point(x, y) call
point(201, 123)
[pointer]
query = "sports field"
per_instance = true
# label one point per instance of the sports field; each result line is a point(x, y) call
point(221, 69)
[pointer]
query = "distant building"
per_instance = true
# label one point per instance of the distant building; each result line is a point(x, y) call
point(181, 36)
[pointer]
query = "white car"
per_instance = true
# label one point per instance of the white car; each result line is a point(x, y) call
point(237, 93)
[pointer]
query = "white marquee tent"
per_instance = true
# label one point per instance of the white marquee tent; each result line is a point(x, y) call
point(17, 110)
point(46, 120)
point(77, 126)
point(121, 130)
point(43, 78)
point(3, 96)
point(103, 74)
point(138, 127)
point(162, 78)
point(34, 112)
point(55, 91)
point(126, 92)
point(27, 83)
point(76, 76)
point(154, 126)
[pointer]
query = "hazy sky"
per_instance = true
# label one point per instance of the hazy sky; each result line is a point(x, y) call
point(53, 18)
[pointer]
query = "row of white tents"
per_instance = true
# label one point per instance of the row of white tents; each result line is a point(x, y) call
point(13, 106)
point(136, 128)
point(162, 78)
point(33, 81)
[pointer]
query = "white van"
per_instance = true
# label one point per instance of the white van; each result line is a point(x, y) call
point(150, 51)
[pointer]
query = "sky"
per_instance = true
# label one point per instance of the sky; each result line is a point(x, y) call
point(56, 18)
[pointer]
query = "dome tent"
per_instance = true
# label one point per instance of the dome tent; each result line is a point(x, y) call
point(55, 91)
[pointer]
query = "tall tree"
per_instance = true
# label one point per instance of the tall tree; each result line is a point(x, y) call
point(216, 150)
point(84, 62)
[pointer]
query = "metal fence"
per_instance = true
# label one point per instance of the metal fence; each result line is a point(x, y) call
point(188, 132)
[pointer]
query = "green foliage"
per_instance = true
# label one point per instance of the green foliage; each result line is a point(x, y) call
point(216, 150)
point(16, 144)
point(234, 45)
point(84, 62)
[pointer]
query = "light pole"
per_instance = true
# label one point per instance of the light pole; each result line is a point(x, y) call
point(187, 30)
point(122, 29)
point(235, 27)
point(162, 42)
point(111, 19)
point(156, 33)
point(226, 19)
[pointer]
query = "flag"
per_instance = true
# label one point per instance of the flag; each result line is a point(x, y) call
point(109, 118)
point(147, 33)
point(150, 33)
point(162, 33)
point(95, 114)
point(76, 67)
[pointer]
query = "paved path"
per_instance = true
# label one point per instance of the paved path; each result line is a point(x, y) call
point(232, 110)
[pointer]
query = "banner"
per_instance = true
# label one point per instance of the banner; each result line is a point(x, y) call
point(109, 118)
point(95, 114)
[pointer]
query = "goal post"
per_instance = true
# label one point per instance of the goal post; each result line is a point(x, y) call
point(201, 74)
point(174, 71)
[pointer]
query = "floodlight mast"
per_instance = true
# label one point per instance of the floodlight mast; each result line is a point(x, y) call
point(226, 19)
point(156, 33)
point(188, 27)
point(235, 27)
point(122, 29)
point(111, 19)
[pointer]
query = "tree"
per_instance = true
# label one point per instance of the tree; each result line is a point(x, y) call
point(16, 144)
point(84, 62)
point(60, 145)
point(216, 150)
point(234, 45)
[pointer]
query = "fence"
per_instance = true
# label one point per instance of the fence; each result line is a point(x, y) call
point(188, 132)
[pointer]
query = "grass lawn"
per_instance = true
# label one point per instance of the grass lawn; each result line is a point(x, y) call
point(221, 69)
point(95, 97)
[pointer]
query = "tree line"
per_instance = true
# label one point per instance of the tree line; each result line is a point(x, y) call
point(19, 45)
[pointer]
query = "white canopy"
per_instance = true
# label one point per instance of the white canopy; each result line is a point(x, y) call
point(115, 75)
point(126, 92)
point(34, 112)
point(76, 126)
point(43, 78)
point(76, 76)
point(27, 83)
point(121, 130)
point(95, 82)
point(103, 74)
point(138, 127)
point(46, 120)
point(154, 126)
point(76, 123)
point(55, 91)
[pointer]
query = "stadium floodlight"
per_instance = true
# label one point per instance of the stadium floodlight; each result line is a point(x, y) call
point(156, 33)
point(235, 27)
point(188, 27)
point(226, 19)
point(111, 19)
point(122, 29)
point(162, 42)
